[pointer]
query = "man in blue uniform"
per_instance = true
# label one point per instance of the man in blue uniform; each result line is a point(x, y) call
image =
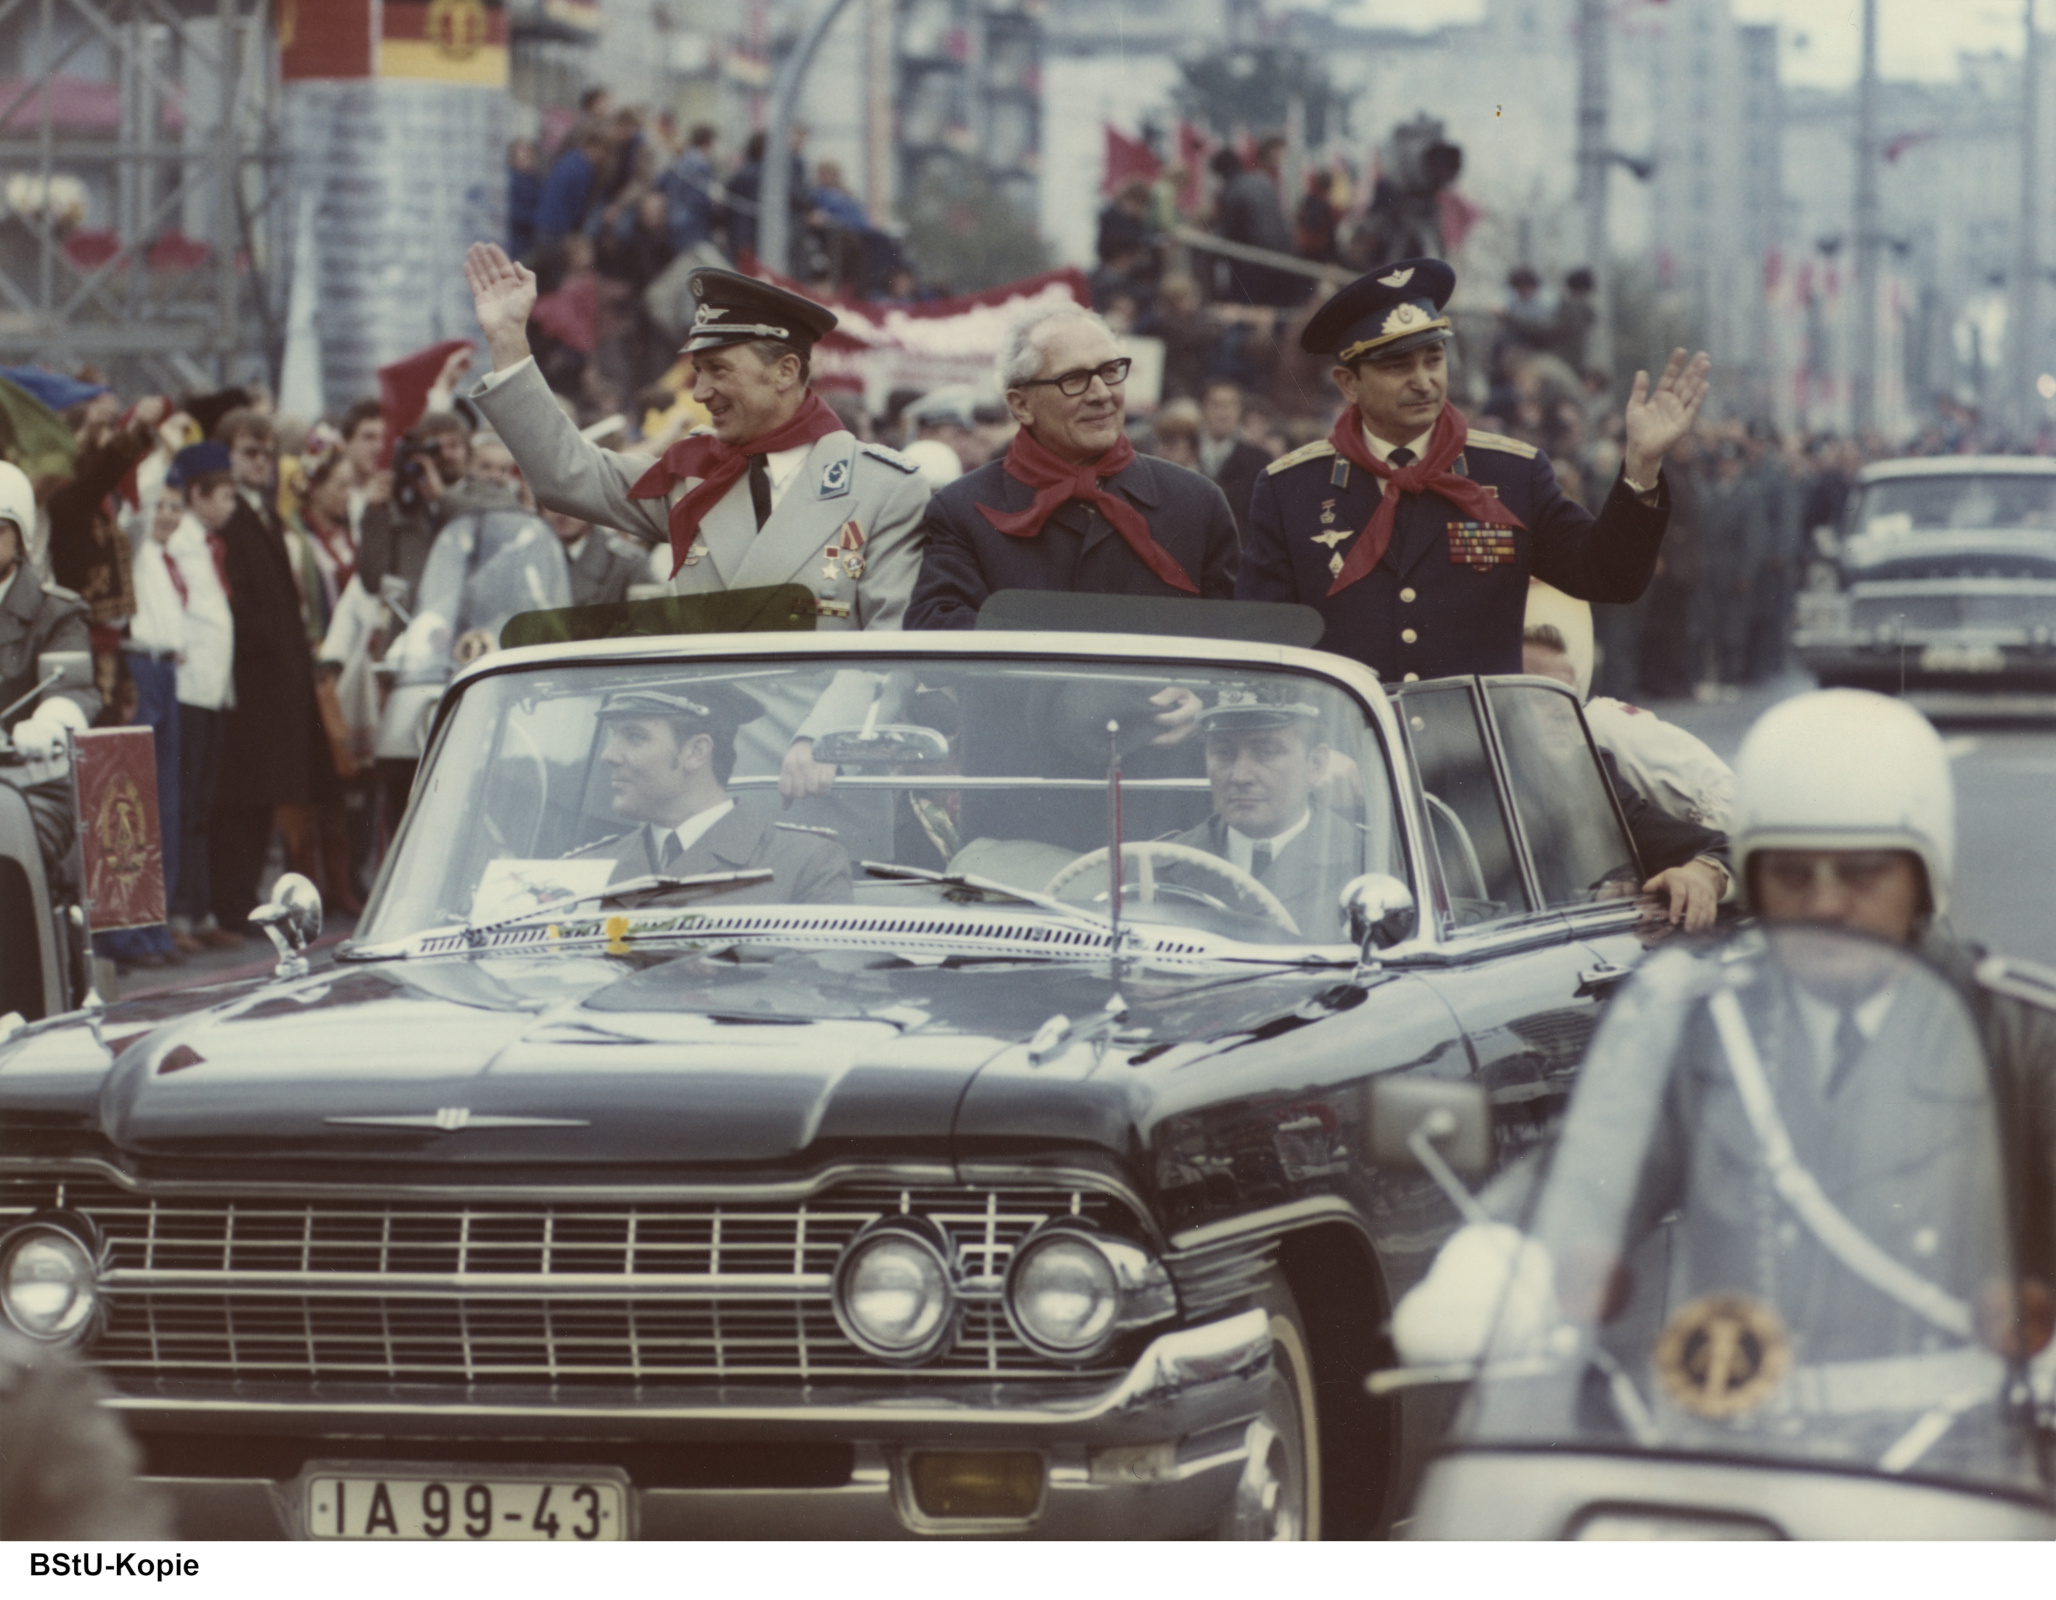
point(1414, 536)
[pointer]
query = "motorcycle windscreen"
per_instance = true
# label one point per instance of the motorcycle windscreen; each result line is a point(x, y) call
point(1776, 1227)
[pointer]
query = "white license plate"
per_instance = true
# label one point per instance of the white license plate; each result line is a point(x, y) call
point(457, 1509)
point(1962, 658)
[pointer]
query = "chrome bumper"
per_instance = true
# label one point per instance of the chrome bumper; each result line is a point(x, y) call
point(1156, 1453)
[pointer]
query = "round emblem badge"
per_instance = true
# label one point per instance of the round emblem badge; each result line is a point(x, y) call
point(1723, 1355)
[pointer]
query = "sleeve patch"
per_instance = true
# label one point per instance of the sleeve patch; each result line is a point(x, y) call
point(891, 457)
point(1306, 452)
point(1499, 441)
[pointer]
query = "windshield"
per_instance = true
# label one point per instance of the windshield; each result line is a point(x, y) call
point(1248, 799)
point(1775, 1225)
point(1955, 500)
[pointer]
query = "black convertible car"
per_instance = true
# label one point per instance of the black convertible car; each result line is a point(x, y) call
point(886, 1163)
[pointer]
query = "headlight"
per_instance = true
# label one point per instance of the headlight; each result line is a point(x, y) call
point(1071, 1291)
point(47, 1282)
point(893, 1291)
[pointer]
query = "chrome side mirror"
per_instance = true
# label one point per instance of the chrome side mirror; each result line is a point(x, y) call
point(292, 919)
point(893, 743)
point(1379, 911)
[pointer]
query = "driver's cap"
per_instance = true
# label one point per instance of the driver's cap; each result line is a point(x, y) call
point(1240, 707)
point(719, 704)
point(1845, 769)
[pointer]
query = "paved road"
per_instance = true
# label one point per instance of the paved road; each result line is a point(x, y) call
point(2005, 814)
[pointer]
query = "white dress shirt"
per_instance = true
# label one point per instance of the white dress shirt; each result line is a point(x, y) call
point(205, 678)
point(1822, 1021)
point(1383, 451)
point(159, 626)
point(1242, 848)
point(691, 830)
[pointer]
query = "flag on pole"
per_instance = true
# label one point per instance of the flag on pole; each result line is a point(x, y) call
point(116, 773)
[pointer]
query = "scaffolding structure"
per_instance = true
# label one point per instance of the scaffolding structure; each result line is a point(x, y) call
point(141, 205)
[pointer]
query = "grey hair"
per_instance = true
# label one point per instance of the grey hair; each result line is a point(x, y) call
point(1018, 358)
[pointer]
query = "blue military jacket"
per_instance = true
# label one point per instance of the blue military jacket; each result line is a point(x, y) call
point(1449, 596)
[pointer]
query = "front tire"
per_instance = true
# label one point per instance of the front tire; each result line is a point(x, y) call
point(1279, 1495)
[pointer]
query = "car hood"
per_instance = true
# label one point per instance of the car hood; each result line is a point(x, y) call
point(750, 1061)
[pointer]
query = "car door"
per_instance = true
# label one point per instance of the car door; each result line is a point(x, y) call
point(1526, 845)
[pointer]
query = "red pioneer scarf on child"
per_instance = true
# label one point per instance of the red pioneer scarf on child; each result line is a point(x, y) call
point(1056, 480)
point(718, 464)
point(1429, 475)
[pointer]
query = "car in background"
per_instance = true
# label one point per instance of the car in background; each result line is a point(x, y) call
point(974, 1197)
point(1943, 581)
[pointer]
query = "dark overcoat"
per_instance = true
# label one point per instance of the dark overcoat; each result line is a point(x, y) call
point(273, 750)
point(967, 559)
point(1433, 607)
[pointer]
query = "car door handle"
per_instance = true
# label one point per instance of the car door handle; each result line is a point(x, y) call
point(1602, 979)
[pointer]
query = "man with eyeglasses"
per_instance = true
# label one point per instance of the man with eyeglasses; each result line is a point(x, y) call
point(1071, 506)
point(273, 750)
point(1415, 535)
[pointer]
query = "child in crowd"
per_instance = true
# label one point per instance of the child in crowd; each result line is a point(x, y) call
point(200, 496)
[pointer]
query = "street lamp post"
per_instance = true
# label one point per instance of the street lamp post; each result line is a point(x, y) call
point(774, 221)
point(1865, 374)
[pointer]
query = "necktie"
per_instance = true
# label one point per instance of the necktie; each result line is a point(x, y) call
point(1849, 1043)
point(1402, 457)
point(1260, 858)
point(760, 489)
point(672, 856)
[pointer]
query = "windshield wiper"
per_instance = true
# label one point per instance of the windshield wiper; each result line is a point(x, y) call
point(1006, 891)
point(649, 883)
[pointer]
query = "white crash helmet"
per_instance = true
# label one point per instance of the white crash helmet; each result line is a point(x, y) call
point(1845, 769)
point(18, 502)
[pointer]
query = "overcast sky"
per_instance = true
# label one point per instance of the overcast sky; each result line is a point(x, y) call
point(1821, 39)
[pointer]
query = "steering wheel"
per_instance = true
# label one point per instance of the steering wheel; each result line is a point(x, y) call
point(1146, 850)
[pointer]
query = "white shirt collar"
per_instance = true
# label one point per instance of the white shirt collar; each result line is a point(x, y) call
point(1822, 1021)
point(1383, 451)
point(783, 467)
point(1241, 845)
point(694, 827)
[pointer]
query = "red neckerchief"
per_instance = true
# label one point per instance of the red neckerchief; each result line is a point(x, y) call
point(1056, 480)
point(1429, 475)
point(717, 465)
point(334, 538)
point(178, 580)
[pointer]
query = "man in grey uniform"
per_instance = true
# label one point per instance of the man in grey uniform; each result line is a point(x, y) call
point(778, 492)
point(668, 754)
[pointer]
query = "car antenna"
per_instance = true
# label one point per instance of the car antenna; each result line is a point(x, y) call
point(1114, 856)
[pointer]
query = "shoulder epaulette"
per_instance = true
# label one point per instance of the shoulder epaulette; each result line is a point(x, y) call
point(1306, 452)
point(1499, 441)
point(2018, 980)
point(891, 457)
point(801, 827)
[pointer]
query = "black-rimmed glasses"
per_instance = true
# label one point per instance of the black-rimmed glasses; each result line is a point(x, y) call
point(1072, 384)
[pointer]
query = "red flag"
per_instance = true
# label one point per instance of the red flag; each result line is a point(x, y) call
point(116, 769)
point(570, 313)
point(1128, 158)
point(1457, 216)
point(403, 387)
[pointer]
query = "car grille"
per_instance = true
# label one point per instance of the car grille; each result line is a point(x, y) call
point(1987, 608)
point(559, 1292)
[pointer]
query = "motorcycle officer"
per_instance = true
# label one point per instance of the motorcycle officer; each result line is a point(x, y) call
point(1845, 817)
point(34, 618)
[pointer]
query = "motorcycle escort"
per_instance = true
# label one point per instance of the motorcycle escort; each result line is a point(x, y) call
point(45, 954)
point(1778, 1276)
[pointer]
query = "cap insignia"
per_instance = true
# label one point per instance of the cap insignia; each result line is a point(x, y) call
point(1403, 316)
point(706, 313)
point(1399, 279)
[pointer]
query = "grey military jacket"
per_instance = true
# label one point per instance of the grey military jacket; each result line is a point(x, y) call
point(810, 869)
point(848, 527)
point(34, 619)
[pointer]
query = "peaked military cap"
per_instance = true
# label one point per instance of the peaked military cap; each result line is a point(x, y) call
point(1241, 707)
point(733, 309)
point(1384, 313)
point(719, 705)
